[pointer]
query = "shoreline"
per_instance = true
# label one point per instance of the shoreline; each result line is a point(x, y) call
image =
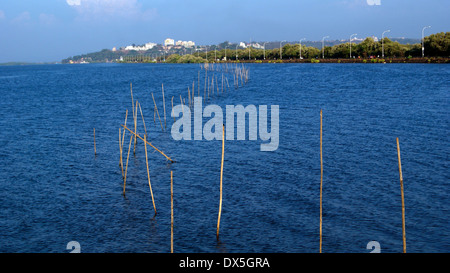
point(441, 60)
point(434, 60)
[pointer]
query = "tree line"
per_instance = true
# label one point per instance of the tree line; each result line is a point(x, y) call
point(436, 45)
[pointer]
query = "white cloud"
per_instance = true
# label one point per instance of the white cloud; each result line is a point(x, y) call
point(107, 9)
point(73, 2)
point(24, 17)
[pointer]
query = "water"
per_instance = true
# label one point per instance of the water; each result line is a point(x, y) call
point(54, 190)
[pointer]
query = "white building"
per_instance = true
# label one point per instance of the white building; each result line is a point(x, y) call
point(242, 44)
point(257, 46)
point(169, 42)
point(145, 47)
point(185, 43)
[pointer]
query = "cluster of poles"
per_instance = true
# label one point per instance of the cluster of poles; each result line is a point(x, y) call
point(240, 76)
point(240, 73)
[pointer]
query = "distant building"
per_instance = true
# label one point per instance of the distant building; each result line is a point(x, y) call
point(169, 42)
point(185, 43)
point(242, 44)
point(114, 49)
point(145, 47)
point(257, 46)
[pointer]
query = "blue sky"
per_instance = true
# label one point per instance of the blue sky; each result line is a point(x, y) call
point(50, 30)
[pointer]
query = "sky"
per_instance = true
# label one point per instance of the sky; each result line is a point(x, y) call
point(51, 30)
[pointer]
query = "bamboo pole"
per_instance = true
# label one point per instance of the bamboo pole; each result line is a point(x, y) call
point(134, 113)
point(148, 173)
point(217, 86)
point(164, 106)
point(95, 149)
point(126, 167)
point(135, 127)
point(182, 106)
point(123, 135)
point(221, 177)
point(321, 182)
point(120, 150)
point(403, 196)
point(171, 211)
point(132, 101)
point(143, 121)
point(193, 93)
point(204, 91)
point(148, 143)
point(157, 112)
point(172, 110)
point(189, 98)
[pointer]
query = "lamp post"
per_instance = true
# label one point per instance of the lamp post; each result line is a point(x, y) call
point(281, 56)
point(323, 46)
point(264, 50)
point(382, 42)
point(423, 41)
point(226, 53)
point(215, 54)
point(351, 44)
point(301, 47)
point(236, 52)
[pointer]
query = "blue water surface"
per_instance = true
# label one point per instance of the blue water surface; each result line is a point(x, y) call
point(54, 190)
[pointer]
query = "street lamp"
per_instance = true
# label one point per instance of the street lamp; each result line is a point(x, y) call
point(323, 46)
point(281, 56)
point(382, 42)
point(226, 53)
point(301, 47)
point(423, 41)
point(351, 44)
point(236, 52)
point(264, 50)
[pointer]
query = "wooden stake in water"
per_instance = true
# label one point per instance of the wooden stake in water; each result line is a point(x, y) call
point(142, 116)
point(134, 112)
point(172, 110)
point(95, 149)
point(164, 106)
point(120, 150)
point(126, 167)
point(135, 127)
point(156, 108)
point(171, 211)
point(123, 139)
point(221, 177)
point(189, 98)
point(193, 93)
point(403, 196)
point(148, 172)
point(321, 180)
